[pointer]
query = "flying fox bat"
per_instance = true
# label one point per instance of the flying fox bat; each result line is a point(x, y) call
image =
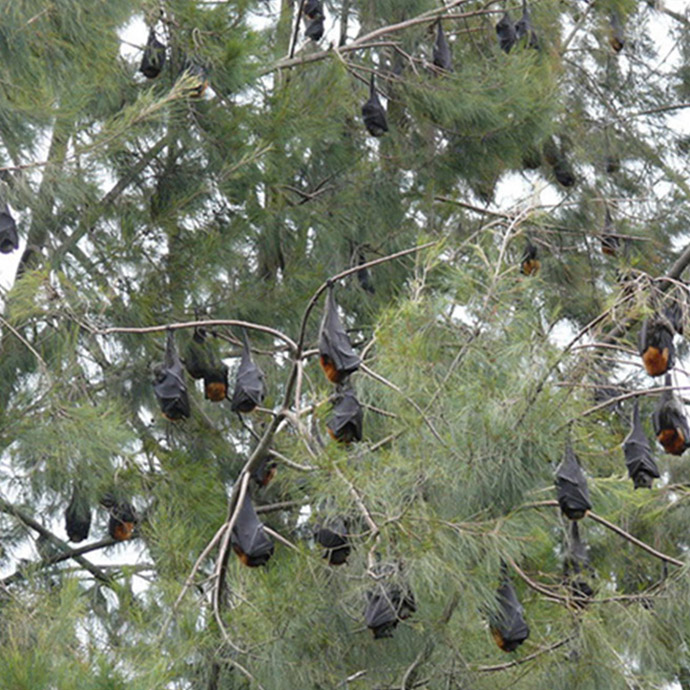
point(638, 454)
point(249, 540)
point(345, 425)
point(154, 56)
point(670, 422)
point(373, 114)
point(337, 357)
point(249, 385)
point(571, 486)
point(169, 385)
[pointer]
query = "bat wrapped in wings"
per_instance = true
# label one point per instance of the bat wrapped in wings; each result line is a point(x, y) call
point(9, 239)
point(345, 424)
point(249, 539)
point(507, 623)
point(333, 536)
point(169, 385)
point(638, 454)
point(387, 604)
point(249, 384)
point(336, 355)
point(670, 422)
point(571, 486)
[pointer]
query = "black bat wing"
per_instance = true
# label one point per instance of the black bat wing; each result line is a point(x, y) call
point(249, 534)
point(249, 385)
point(78, 517)
point(334, 342)
point(9, 239)
point(381, 612)
point(638, 453)
point(347, 412)
point(441, 55)
point(315, 29)
point(154, 57)
point(505, 30)
point(571, 484)
point(509, 619)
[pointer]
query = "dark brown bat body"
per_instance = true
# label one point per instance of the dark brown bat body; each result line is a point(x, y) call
point(169, 385)
point(345, 424)
point(315, 29)
point(508, 625)
point(610, 242)
point(78, 516)
point(616, 32)
point(122, 521)
point(670, 423)
point(332, 535)
point(249, 385)
point(313, 9)
point(655, 344)
point(154, 57)
point(336, 355)
point(571, 486)
point(638, 454)
point(525, 28)
point(9, 239)
point(373, 114)
point(265, 472)
point(249, 539)
point(441, 54)
point(505, 30)
point(387, 605)
point(530, 264)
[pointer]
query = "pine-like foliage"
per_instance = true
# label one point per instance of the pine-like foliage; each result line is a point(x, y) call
point(230, 192)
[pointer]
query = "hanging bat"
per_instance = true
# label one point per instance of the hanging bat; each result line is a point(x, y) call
point(610, 241)
point(616, 32)
point(169, 385)
point(571, 486)
point(524, 27)
point(248, 539)
point(560, 166)
point(655, 344)
point(313, 9)
point(441, 53)
point(670, 422)
point(530, 264)
point(508, 625)
point(332, 535)
point(364, 277)
point(345, 425)
point(9, 239)
point(265, 472)
point(122, 520)
point(201, 363)
point(249, 384)
point(638, 454)
point(196, 356)
point(505, 30)
point(373, 114)
point(575, 563)
point(154, 56)
point(387, 605)
point(336, 355)
point(315, 29)
point(78, 516)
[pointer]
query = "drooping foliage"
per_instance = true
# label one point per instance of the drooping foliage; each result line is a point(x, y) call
point(180, 171)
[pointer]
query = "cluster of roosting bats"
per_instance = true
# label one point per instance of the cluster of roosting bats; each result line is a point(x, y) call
point(391, 600)
point(509, 33)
